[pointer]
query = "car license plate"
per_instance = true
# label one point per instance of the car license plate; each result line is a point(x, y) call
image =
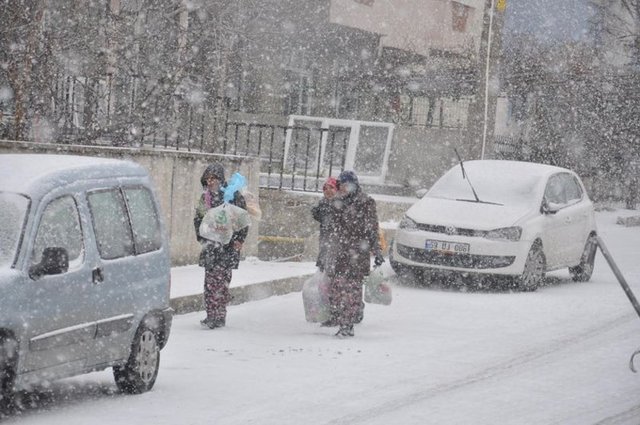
point(446, 247)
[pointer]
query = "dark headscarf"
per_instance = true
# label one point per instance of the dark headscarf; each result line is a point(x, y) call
point(213, 170)
point(349, 177)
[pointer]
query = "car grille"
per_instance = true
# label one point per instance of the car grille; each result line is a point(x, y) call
point(467, 261)
point(435, 228)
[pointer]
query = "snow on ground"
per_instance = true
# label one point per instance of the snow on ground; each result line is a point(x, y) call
point(435, 356)
point(188, 280)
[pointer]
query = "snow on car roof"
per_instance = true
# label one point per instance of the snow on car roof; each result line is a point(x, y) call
point(505, 182)
point(26, 173)
point(497, 166)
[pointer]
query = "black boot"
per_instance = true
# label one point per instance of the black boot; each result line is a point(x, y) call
point(329, 323)
point(345, 331)
point(360, 314)
point(212, 323)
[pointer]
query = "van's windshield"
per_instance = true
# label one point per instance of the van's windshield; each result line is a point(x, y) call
point(13, 212)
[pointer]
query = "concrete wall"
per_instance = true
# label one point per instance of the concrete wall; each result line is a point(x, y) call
point(419, 156)
point(288, 229)
point(176, 176)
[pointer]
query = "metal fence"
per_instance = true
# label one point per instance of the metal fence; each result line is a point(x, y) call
point(506, 147)
point(291, 157)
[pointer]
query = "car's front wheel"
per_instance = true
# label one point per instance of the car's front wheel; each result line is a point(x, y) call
point(583, 271)
point(534, 269)
point(139, 373)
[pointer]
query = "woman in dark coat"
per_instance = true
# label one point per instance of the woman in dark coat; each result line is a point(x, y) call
point(218, 260)
point(354, 238)
point(322, 214)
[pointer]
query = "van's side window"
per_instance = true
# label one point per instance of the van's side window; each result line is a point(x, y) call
point(144, 220)
point(60, 227)
point(111, 224)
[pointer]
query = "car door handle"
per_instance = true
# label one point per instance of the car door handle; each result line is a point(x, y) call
point(97, 275)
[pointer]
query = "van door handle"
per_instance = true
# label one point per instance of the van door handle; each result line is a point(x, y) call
point(97, 275)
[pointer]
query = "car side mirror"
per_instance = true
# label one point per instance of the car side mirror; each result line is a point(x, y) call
point(55, 260)
point(421, 192)
point(550, 207)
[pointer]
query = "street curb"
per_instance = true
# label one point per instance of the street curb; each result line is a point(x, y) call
point(243, 294)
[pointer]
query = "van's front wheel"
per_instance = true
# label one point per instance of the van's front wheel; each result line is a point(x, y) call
point(139, 373)
point(8, 353)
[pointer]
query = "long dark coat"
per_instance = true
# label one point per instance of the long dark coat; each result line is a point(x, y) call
point(354, 236)
point(322, 213)
point(215, 255)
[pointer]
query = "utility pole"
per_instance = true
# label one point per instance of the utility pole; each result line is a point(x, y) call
point(483, 110)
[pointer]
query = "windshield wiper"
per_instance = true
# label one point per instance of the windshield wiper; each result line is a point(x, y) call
point(477, 201)
point(464, 176)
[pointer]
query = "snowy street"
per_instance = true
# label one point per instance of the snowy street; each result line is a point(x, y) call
point(146, 144)
point(434, 356)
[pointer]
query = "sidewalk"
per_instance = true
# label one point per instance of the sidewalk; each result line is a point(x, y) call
point(253, 280)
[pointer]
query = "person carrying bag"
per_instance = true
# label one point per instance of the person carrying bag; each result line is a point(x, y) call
point(221, 224)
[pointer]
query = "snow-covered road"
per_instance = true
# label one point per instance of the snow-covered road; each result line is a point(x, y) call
point(556, 356)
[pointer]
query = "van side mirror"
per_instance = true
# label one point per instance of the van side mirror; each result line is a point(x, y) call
point(55, 260)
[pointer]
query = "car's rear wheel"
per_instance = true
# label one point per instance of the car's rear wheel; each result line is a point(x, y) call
point(583, 271)
point(534, 269)
point(139, 373)
point(8, 356)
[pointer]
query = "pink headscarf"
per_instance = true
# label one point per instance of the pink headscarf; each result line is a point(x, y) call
point(331, 182)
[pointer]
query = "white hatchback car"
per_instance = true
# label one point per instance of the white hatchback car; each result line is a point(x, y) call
point(492, 217)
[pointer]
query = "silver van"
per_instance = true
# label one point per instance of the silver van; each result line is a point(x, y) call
point(84, 271)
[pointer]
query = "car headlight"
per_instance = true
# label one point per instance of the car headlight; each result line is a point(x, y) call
point(407, 223)
point(505, 233)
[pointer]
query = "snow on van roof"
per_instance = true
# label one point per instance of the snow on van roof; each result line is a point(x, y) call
point(20, 172)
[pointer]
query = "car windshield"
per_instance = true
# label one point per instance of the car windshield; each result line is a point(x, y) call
point(13, 211)
point(506, 187)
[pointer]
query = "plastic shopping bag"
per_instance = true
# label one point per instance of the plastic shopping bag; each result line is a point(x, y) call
point(315, 298)
point(239, 217)
point(253, 206)
point(376, 290)
point(236, 183)
point(220, 222)
point(216, 225)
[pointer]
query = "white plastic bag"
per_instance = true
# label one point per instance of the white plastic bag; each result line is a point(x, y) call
point(253, 205)
point(376, 290)
point(315, 298)
point(220, 222)
point(239, 217)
